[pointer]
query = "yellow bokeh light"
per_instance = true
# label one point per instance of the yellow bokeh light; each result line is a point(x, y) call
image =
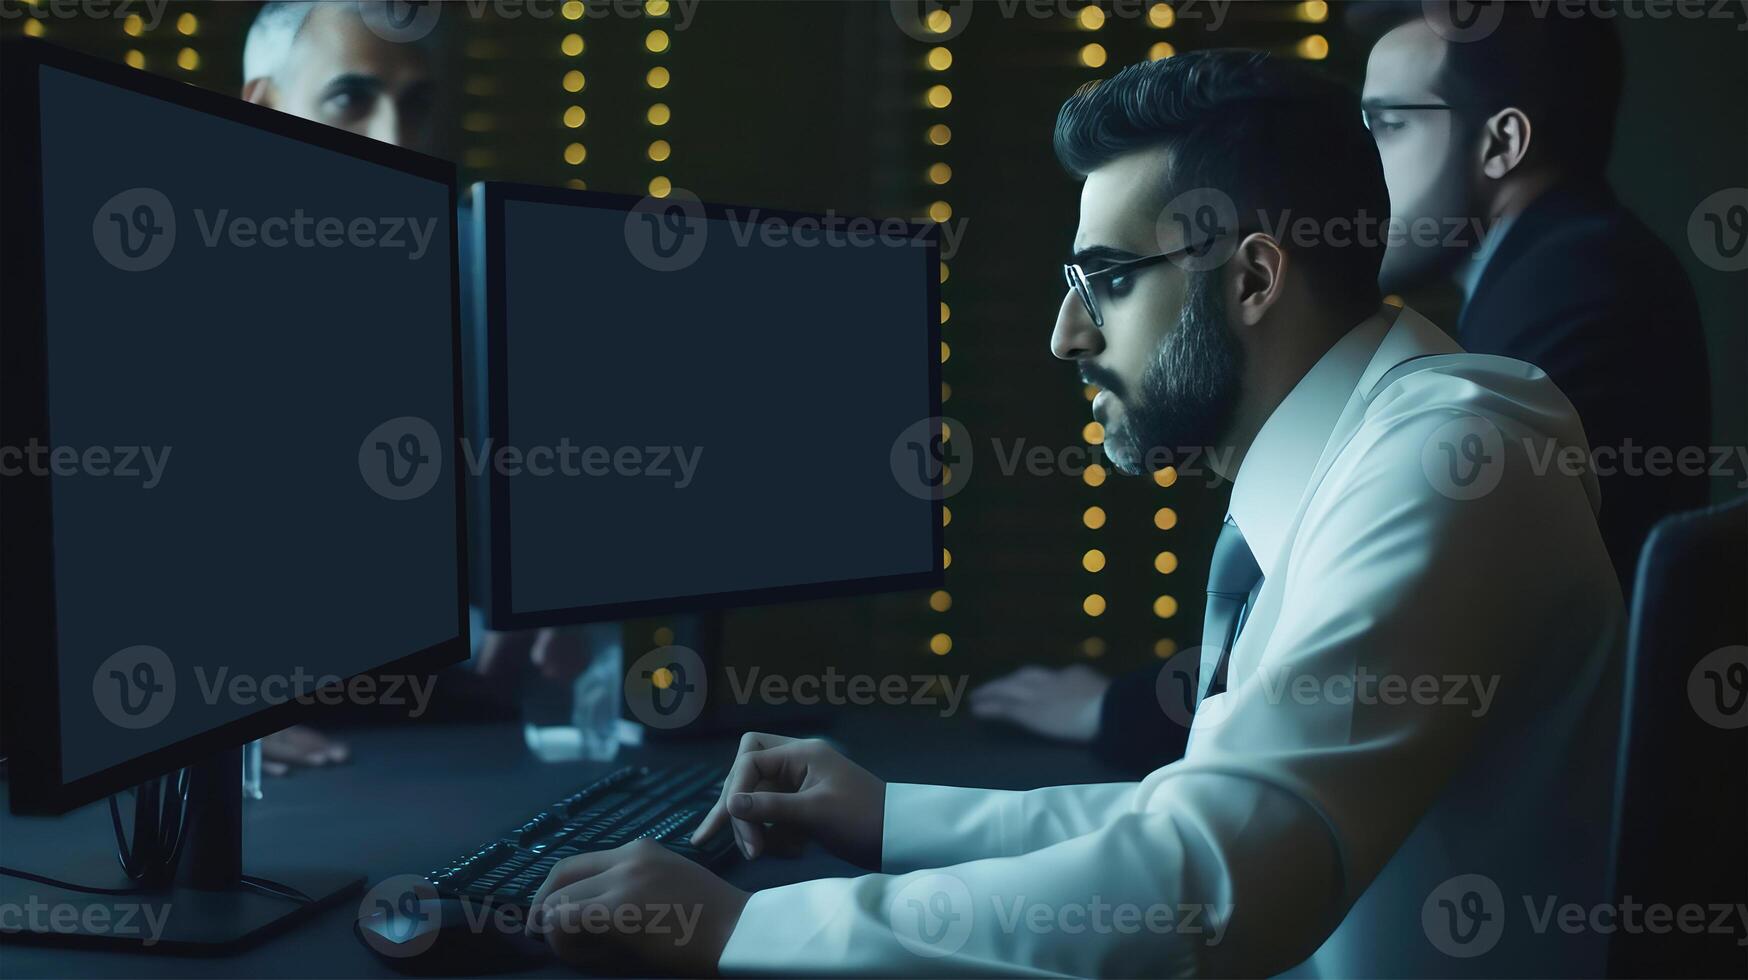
point(577, 183)
point(187, 25)
point(134, 59)
point(660, 150)
point(940, 600)
point(573, 81)
point(572, 45)
point(660, 187)
point(946, 516)
point(940, 173)
point(656, 8)
point(1093, 605)
point(1165, 607)
point(1165, 563)
point(657, 77)
point(1090, 391)
point(574, 116)
point(940, 211)
point(659, 114)
point(1093, 560)
point(1160, 51)
point(946, 313)
point(1093, 433)
point(1093, 56)
point(943, 272)
point(33, 28)
point(939, 21)
point(133, 25)
point(188, 59)
point(1093, 646)
point(946, 391)
point(1312, 11)
point(1165, 476)
point(1165, 518)
point(946, 558)
point(946, 352)
point(1313, 48)
point(1093, 517)
point(656, 41)
point(940, 59)
point(1094, 475)
point(940, 644)
point(1090, 18)
point(575, 153)
point(662, 677)
point(1164, 648)
point(1161, 15)
point(572, 10)
point(940, 96)
point(662, 636)
point(940, 134)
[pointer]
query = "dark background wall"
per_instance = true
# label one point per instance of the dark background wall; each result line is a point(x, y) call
point(825, 105)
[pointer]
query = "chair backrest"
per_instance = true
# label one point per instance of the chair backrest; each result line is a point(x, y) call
point(1682, 798)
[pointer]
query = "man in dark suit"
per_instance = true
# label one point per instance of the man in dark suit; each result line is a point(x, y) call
point(1494, 134)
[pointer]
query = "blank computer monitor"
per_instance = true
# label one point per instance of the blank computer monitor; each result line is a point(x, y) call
point(231, 405)
point(685, 405)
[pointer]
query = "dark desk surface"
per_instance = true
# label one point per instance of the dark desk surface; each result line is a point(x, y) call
point(416, 796)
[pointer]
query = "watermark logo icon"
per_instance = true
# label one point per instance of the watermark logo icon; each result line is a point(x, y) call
point(1464, 916)
point(1200, 228)
point(931, 21)
point(1175, 687)
point(1465, 458)
point(1717, 231)
point(931, 459)
point(667, 687)
point(1462, 21)
point(401, 458)
point(667, 233)
point(397, 913)
point(1718, 688)
point(399, 21)
point(931, 915)
point(135, 230)
point(135, 688)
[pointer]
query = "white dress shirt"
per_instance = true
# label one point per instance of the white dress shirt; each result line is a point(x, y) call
point(1344, 809)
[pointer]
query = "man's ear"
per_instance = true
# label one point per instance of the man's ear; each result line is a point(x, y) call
point(260, 91)
point(1260, 265)
point(1505, 143)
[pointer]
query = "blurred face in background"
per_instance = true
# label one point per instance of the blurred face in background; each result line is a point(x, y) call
point(1428, 165)
point(340, 72)
point(1167, 362)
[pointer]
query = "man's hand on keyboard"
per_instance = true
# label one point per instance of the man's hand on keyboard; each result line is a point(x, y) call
point(784, 789)
point(643, 899)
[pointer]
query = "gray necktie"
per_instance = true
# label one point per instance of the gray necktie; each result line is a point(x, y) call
point(1231, 576)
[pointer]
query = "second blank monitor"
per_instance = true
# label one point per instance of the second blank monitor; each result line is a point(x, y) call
point(698, 405)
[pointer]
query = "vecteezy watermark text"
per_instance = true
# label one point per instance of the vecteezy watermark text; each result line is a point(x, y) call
point(117, 462)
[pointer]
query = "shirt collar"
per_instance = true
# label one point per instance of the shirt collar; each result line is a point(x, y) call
point(1282, 458)
point(1483, 255)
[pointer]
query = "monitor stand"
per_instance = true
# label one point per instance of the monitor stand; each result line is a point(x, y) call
point(208, 910)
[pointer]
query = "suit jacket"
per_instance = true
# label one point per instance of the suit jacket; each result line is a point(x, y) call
point(1580, 288)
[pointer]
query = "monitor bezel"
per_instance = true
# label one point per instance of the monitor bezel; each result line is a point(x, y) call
point(493, 595)
point(29, 690)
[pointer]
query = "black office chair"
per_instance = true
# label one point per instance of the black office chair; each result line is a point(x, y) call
point(1682, 808)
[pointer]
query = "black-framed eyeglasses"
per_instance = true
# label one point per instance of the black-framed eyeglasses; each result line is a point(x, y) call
point(1367, 112)
point(1080, 280)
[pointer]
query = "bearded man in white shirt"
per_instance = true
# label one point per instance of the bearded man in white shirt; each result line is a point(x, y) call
point(1403, 718)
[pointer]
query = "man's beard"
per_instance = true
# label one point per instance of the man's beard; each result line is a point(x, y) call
point(1189, 392)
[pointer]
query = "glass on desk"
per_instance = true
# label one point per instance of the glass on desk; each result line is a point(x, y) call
point(573, 693)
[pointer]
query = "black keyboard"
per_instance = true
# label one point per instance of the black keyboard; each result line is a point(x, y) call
point(623, 806)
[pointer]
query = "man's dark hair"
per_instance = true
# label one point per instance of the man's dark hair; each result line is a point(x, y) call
point(1276, 137)
point(1563, 71)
